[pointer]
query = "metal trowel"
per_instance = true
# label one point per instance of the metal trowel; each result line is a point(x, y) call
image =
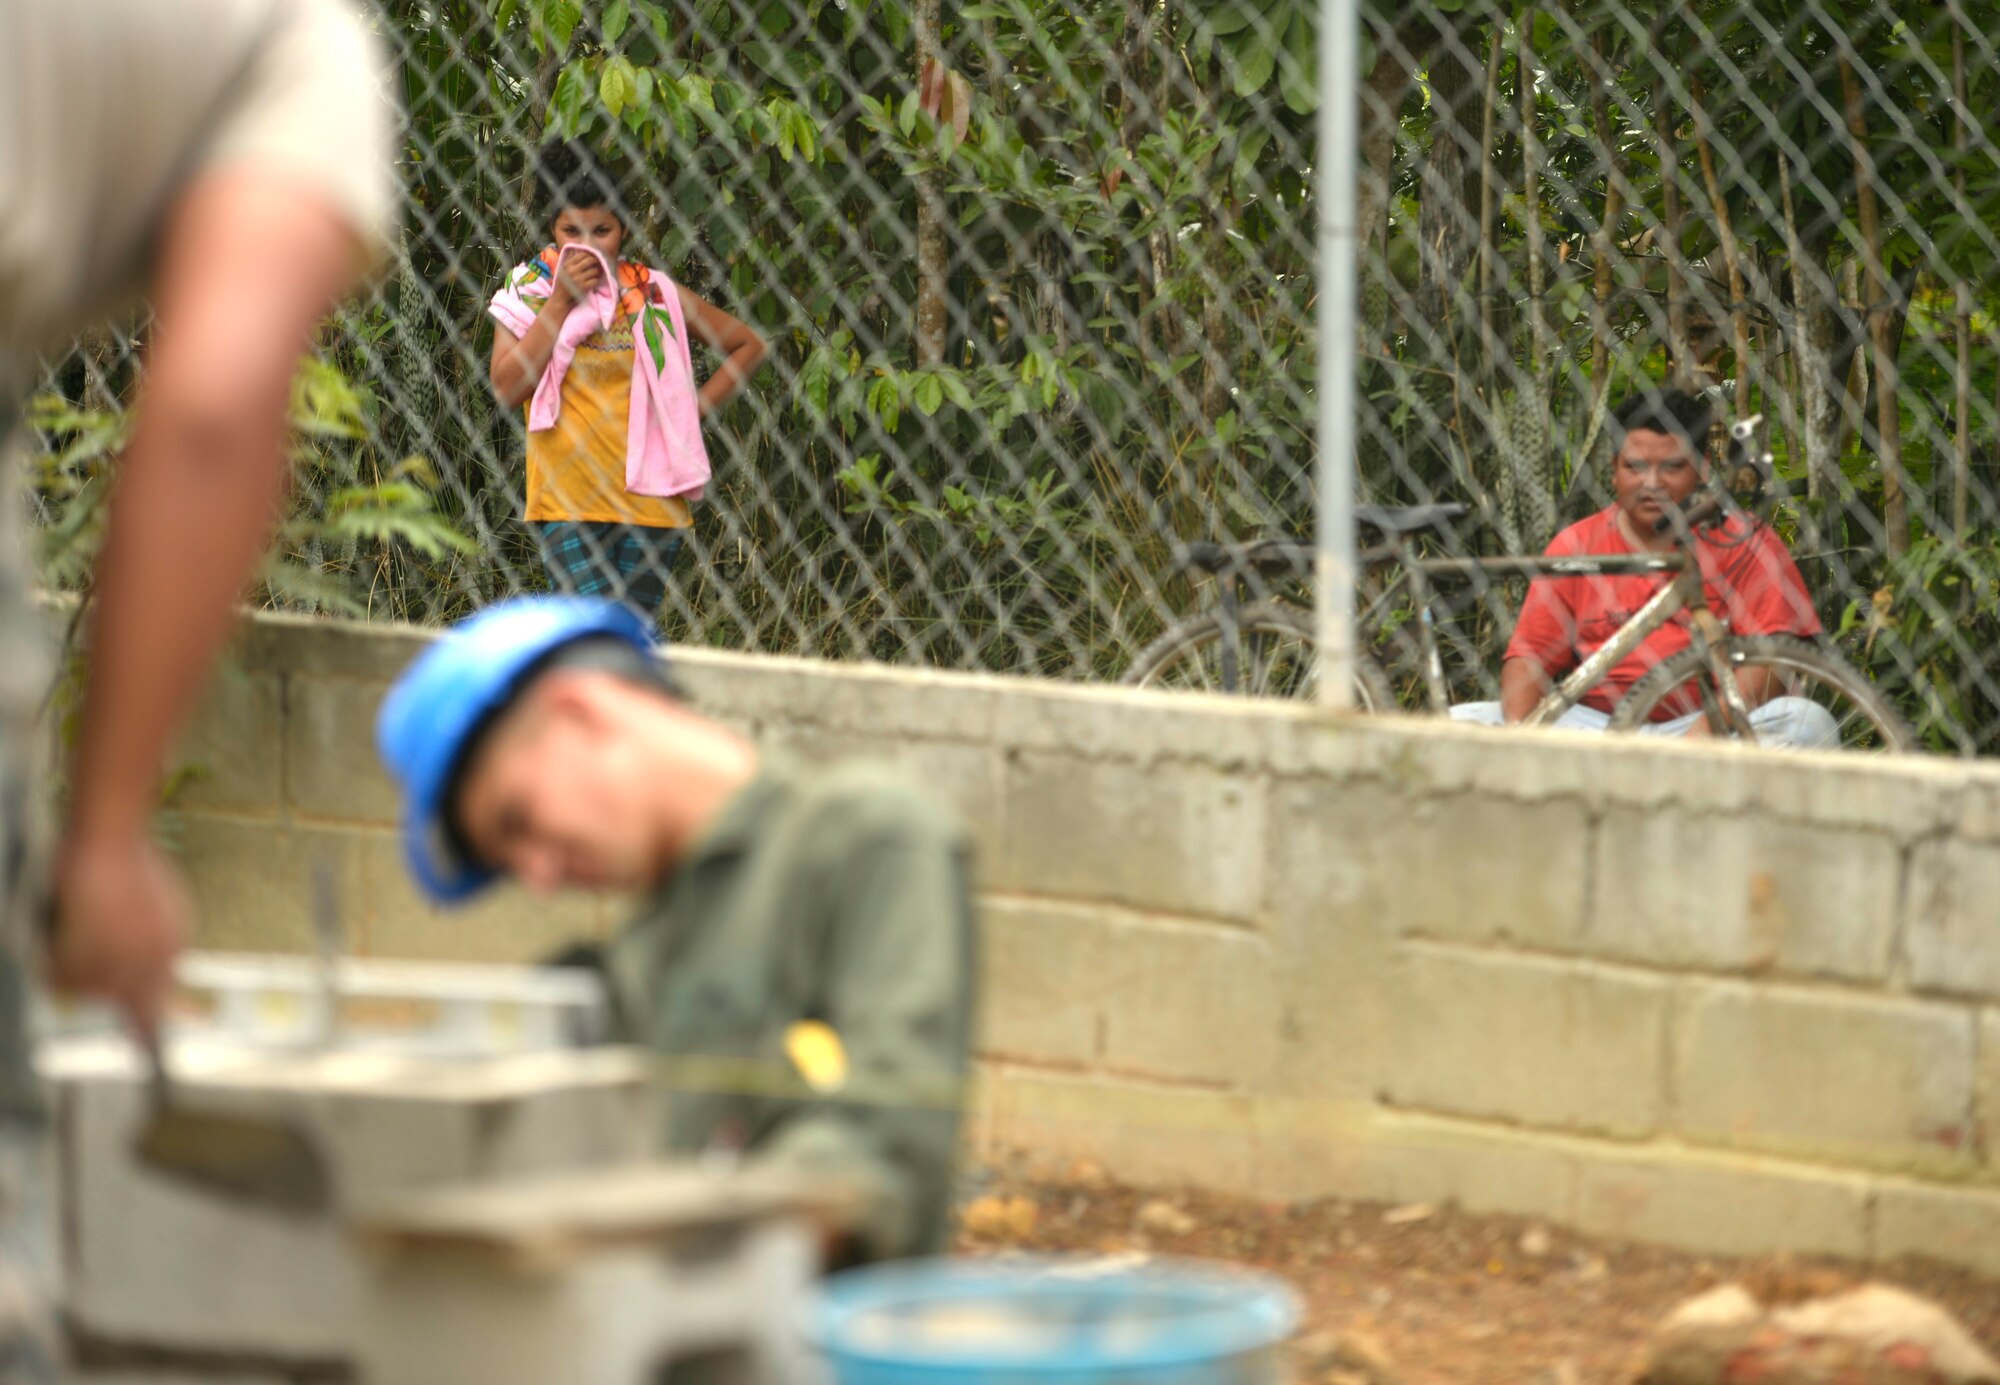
point(242, 1158)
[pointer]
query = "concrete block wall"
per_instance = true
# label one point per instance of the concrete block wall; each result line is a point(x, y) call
point(1673, 992)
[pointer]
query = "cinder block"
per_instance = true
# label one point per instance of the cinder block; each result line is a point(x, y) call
point(151, 1261)
point(508, 924)
point(233, 750)
point(1953, 945)
point(1960, 1226)
point(1094, 721)
point(1039, 1000)
point(1335, 877)
point(331, 768)
point(962, 776)
point(1182, 1003)
point(1686, 888)
point(1543, 1043)
point(1987, 1099)
point(1403, 1157)
point(372, 650)
point(1476, 868)
point(1728, 1205)
point(251, 879)
point(1176, 839)
point(1845, 1079)
point(1146, 1133)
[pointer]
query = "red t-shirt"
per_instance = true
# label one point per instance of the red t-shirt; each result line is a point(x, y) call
point(1753, 586)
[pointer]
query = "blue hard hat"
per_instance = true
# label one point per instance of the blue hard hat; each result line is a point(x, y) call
point(431, 714)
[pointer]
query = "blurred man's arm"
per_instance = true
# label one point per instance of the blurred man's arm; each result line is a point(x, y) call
point(900, 989)
point(1523, 684)
point(248, 266)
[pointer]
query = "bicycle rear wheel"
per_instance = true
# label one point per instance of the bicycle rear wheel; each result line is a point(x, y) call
point(1275, 656)
point(1851, 712)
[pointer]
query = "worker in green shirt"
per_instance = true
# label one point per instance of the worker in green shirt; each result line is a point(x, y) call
point(803, 960)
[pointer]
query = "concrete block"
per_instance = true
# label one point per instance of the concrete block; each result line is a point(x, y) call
point(1684, 887)
point(1732, 1206)
point(233, 751)
point(148, 1260)
point(1953, 946)
point(508, 924)
point(1177, 839)
point(1038, 1001)
point(759, 691)
point(1146, 1133)
point(251, 879)
point(1986, 1098)
point(604, 1278)
point(331, 769)
point(1188, 1004)
point(287, 644)
point(1541, 1043)
point(1524, 882)
point(1845, 1079)
point(1333, 895)
point(1098, 722)
point(1403, 1157)
point(1960, 1226)
point(1077, 985)
point(963, 777)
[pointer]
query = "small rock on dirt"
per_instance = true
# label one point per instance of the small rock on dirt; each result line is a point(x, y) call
point(1162, 1218)
point(1352, 1357)
point(1871, 1334)
point(994, 1217)
point(1408, 1213)
point(1536, 1242)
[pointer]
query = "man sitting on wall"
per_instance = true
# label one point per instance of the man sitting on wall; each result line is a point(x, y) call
point(806, 934)
point(1753, 586)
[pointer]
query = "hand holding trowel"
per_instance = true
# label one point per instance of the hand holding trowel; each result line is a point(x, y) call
point(254, 1159)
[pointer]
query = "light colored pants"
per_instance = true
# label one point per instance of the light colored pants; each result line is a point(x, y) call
point(1793, 723)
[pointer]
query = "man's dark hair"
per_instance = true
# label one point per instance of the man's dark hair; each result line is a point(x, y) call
point(571, 176)
point(600, 653)
point(1673, 412)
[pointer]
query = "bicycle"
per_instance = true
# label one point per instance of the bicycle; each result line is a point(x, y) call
point(1267, 647)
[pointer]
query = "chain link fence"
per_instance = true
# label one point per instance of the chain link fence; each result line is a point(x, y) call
point(1038, 283)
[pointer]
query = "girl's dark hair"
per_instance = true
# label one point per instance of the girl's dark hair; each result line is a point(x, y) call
point(571, 176)
point(1676, 413)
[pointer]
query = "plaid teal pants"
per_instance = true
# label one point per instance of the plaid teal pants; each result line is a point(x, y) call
point(625, 562)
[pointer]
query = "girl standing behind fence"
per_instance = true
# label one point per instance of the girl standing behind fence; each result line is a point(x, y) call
point(598, 349)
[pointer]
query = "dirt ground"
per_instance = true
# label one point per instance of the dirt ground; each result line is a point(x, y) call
point(1443, 1297)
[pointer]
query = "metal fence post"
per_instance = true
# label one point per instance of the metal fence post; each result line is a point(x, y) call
point(1337, 163)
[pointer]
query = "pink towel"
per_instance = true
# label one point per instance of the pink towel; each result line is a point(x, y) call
point(664, 452)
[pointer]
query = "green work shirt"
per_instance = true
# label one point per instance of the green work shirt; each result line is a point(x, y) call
point(837, 895)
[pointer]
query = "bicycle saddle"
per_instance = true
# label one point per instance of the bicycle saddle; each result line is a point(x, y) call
point(1406, 519)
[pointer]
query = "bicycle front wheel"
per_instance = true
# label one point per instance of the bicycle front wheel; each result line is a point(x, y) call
point(1830, 704)
point(1275, 655)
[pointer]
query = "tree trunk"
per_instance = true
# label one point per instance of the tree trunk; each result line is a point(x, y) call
point(1961, 457)
point(1381, 115)
point(1489, 104)
point(1449, 189)
point(1672, 229)
point(1888, 422)
point(1166, 315)
point(1816, 325)
point(1732, 255)
point(1603, 240)
point(933, 252)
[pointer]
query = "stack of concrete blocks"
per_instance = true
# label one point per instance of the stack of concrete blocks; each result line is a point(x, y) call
point(165, 1282)
point(661, 1275)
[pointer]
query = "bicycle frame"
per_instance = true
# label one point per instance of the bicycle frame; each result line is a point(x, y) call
point(1685, 592)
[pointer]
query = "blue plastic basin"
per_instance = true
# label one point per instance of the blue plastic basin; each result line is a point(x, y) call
point(1050, 1322)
